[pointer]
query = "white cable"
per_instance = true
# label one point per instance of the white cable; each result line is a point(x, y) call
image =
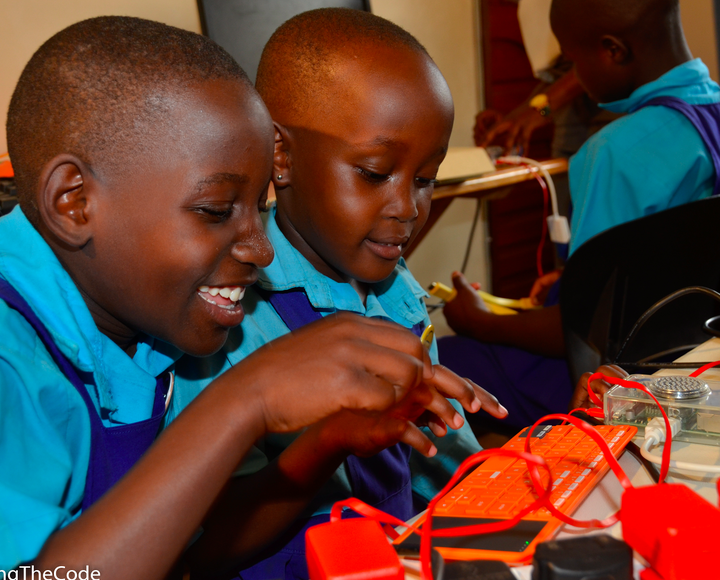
point(558, 226)
point(655, 434)
point(517, 160)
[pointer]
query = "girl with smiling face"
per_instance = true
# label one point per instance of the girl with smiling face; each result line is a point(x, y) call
point(143, 157)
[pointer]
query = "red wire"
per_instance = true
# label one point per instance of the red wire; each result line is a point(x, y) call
point(665, 465)
point(541, 245)
point(702, 369)
point(539, 178)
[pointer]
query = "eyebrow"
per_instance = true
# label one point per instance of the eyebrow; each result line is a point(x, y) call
point(218, 178)
point(388, 142)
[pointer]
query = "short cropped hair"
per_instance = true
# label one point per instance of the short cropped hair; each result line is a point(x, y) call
point(96, 88)
point(297, 62)
point(647, 20)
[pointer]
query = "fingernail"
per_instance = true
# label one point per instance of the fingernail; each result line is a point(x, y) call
point(475, 405)
point(432, 452)
point(458, 421)
point(503, 410)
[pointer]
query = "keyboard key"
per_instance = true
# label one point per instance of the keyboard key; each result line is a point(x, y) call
point(501, 487)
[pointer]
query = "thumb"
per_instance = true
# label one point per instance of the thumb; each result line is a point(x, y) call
point(461, 284)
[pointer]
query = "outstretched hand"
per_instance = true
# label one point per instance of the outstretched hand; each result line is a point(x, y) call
point(512, 132)
point(581, 399)
point(467, 314)
point(366, 433)
point(344, 361)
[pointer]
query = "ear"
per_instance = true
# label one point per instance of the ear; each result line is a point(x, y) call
point(616, 51)
point(281, 157)
point(63, 200)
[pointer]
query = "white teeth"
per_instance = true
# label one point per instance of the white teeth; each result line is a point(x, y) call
point(233, 294)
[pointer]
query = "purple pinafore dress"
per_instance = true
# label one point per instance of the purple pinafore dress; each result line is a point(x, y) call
point(113, 450)
point(382, 480)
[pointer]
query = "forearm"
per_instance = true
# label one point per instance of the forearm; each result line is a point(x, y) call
point(537, 331)
point(140, 527)
point(255, 509)
point(563, 91)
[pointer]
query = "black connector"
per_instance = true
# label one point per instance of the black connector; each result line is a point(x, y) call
point(471, 570)
point(596, 557)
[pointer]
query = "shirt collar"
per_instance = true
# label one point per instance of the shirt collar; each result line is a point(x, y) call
point(689, 81)
point(398, 297)
point(31, 267)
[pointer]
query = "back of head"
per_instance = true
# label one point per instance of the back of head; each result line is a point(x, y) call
point(646, 21)
point(298, 62)
point(95, 90)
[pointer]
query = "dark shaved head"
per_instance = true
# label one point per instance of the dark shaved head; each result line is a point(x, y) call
point(618, 46)
point(99, 89)
point(645, 19)
point(299, 61)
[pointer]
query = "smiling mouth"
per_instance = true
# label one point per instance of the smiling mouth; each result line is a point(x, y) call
point(226, 297)
point(386, 250)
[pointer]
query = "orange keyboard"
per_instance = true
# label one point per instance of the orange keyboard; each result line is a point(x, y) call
point(501, 486)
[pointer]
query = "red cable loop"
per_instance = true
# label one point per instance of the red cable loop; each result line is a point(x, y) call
point(665, 465)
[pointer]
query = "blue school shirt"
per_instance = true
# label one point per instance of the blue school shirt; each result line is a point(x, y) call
point(648, 161)
point(44, 424)
point(399, 298)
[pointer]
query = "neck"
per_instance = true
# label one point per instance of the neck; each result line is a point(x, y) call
point(655, 61)
point(72, 261)
point(299, 243)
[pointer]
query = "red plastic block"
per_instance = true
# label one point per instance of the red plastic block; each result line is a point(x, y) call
point(353, 549)
point(674, 529)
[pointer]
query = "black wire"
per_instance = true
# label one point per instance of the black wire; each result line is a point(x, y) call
point(657, 306)
point(470, 238)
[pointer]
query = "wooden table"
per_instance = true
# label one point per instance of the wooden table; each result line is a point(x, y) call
point(489, 185)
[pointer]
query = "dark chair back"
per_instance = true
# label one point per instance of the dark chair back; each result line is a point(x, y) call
point(616, 276)
point(242, 27)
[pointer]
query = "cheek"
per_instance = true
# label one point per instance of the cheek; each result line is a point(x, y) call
point(423, 209)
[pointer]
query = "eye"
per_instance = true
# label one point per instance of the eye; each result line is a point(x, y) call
point(424, 182)
point(215, 214)
point(372, 176)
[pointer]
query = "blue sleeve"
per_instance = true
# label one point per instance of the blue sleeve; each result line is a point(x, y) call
point(44, 444)
point(649, 161)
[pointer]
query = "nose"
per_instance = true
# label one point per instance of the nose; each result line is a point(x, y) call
point(253, 247)
point(404, 201)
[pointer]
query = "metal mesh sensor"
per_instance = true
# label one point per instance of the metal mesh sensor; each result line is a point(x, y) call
point(679, 388)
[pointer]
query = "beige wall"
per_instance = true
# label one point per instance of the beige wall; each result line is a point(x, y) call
point(448, 31)
point(699, 23)
point(29, 23)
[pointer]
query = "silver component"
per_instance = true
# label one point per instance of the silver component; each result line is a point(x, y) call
point(679, 388)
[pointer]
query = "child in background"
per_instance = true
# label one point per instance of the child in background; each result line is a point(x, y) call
point(362, 121)
point(632, 57)
point(142, 155)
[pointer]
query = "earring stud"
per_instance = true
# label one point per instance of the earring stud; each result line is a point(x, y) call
point(279, 176)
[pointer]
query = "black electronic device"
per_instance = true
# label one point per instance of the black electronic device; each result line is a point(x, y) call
point(596, 557)
point(8, 195)
point(471, 570)
point(242, 27)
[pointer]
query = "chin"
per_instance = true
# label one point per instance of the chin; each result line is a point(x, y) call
point(202, 348)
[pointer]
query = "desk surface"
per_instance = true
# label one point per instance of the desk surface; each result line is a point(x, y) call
point(487, 182)
point(605, 498)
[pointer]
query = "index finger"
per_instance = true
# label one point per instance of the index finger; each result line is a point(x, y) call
point(467, 393)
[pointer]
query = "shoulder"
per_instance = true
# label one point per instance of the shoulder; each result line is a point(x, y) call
point(654, 143)
point(44, 442)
